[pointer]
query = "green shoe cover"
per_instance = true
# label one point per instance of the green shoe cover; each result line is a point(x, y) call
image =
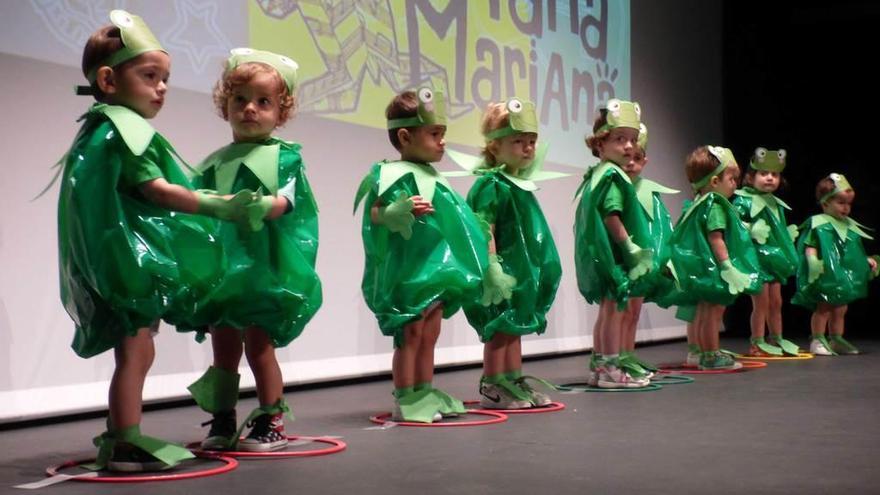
point(629, 364)
point(788, 347)
point(821, 338)
point(168, 453)
point(216, 390)
point(715, 360)
point(761, 344)
point(402, 392)
point(694, 349)
point(502, 381)
point(644, 364)
point(843, 346)
point(448, 404)
point(421, 406)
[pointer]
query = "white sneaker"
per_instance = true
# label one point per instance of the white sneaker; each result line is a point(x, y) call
point(693, 359)
point(610, 376)
point(817, 348)
point(539, 399)
point(493, 396)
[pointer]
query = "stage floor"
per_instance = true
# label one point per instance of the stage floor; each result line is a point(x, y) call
point(793, 427)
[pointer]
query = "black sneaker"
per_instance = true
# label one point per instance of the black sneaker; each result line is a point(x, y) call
point(222, 433)
point(267, 434)
point(127, 458)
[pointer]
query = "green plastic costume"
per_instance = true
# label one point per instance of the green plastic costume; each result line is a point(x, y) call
point(279, 290)
point(525, 244)
point(125, 262)
point(698, 274)
point(656, 283)
point(777, 256)
point(442, 262)
point(846, 271)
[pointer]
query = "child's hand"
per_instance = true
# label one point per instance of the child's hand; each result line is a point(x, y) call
point(760, 231)
point(256, 211)
point(737, 281)
point(637, 259)
point(875, 266)
point(231, 210)
point(815, 268)
point(420, 206)
point(397, 216)
point(497, 285)
point(792, 232)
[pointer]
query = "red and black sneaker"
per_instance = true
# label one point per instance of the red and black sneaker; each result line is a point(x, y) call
point(266, 435)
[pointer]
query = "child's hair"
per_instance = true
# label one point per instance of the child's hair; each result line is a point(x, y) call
point(403, 106)
point(748, 178)
point(242, 75)
point(597, 137)
point(701, 163)
point(496, 117)
point(104, 42)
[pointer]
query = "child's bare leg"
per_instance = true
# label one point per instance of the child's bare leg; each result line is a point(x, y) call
point(838, 314)
point(495, 355)
point(613, 321)
point(630, 322)
point(513, 353)
point(598, 330)
point(228, 348)
point(134, 356)
point(711, 325)
point(693, 337)
point(760, 305)
point(261, 358)
point(774, 308)
point(403, 365)
point(819, 320)
point(424, 366)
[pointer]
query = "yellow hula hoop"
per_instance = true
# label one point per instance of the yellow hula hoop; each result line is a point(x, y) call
point(800, 357)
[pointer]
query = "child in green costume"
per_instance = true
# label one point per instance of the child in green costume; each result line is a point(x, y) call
point(612, 240)
point(764, 213)
point(833, 269)
point(125, 260)
point(520, 244)
point(712, 256)
point(425, 252)
point(266, 303)
point(655, 284)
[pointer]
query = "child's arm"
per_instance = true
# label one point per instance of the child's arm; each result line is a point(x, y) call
point(240, 208)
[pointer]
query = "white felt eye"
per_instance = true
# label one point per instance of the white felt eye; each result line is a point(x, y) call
point(121, 18)
point(514, 106)
point(426, 95)
point(642, 129)
point(781, 154)
point(241, 51)
point(613, 105)
point(834, 177)
point(760, 154)
point(638, 109)
point(288, 62)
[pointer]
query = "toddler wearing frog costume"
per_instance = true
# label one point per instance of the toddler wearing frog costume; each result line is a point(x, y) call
point(266, 303)
point(424, 252)
point(833, 269)
point(764, 213)
point(125, 260)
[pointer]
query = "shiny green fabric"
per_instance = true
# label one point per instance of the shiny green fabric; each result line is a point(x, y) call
point(698, 273)
point(525, 244)
point(601, 272)
point(278, 290)
point(777, 257)
point(124, 261)
point(658, 282)
point(443, 262)
point(846, 266)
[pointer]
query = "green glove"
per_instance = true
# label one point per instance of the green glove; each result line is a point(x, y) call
point(256, 211)
point(792, 232)
point(760, 231)
point(815, 268)
point(232, 210)
point(497, 285)
point(398, 216)
point(737, 281)
point(637, 259)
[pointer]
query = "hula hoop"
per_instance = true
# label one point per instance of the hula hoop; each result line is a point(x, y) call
point(495, 417)
point(668, 379)
point(229, 464)
point(585, 387)
point(551, 407)
point(685, 369)
point(800, 357)
point(335, 446)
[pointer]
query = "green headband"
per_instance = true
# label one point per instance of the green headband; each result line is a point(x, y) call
point(285, 67)
point(768, 160)
point(725, 159)
point(431, 111)
point(840, 185)
point(643, 138)
point(621, 113)
point(137, 39)
point(522, 117)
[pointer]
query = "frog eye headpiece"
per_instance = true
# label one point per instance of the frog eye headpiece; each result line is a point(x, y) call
point(621, 113)
point(768, 160)
point(725, 159)
point(431, 111)
point(840, 185)
point(285, 66)
point(137, 39)
point(643, 138)
point(522, 117)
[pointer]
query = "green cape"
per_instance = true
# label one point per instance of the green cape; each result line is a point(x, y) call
point(777, 256)
point(525, 244)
